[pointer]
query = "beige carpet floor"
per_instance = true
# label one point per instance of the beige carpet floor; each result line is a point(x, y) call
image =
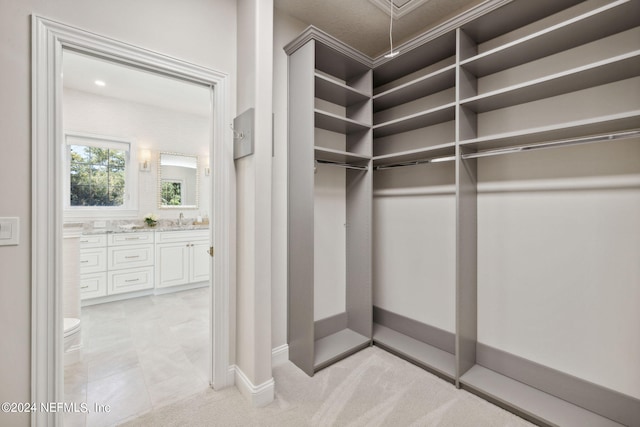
point(370, 388)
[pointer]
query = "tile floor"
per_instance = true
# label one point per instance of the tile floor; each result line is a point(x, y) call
point(139, 355)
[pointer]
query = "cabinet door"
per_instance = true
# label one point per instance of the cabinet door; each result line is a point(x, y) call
point(200, 261)
point(172, 264)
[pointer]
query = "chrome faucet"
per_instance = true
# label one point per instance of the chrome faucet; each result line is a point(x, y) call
point(180, 218)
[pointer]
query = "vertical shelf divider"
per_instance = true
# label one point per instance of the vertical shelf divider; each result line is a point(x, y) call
point(466, 219)
point(300, 208)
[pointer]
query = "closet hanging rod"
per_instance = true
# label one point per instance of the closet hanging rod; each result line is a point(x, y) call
point(415, 162)
point(342, 165)
point(554, 144)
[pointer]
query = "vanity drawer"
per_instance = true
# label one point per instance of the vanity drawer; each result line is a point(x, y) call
point(93, 241)
point(120, 239)
point(130, 256)
point(182, 236)
point(93, 260)
point(134, 279)
point(93, 285)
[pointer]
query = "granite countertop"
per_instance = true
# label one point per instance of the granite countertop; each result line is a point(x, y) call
point(143, 229)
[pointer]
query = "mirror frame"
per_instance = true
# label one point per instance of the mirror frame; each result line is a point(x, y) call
point(159, 183)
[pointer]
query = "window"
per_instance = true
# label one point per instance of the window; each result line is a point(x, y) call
point(97, 173)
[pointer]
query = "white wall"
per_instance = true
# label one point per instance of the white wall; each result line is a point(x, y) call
point(147, 127)
point(285, 29)
point(202, 32)
point(253, 176)
point(558, 260)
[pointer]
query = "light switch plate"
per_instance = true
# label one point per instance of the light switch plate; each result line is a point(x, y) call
point(9, 231)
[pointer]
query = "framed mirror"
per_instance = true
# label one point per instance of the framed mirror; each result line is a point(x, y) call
point(178, 181)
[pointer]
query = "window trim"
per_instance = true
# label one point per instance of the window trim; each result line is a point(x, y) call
point(130, 206)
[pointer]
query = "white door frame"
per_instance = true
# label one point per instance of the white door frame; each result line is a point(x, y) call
point(49, 38)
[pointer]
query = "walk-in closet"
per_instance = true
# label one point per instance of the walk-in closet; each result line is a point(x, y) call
point(472, 205)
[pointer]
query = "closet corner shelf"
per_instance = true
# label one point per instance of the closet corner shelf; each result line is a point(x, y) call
point(448, 149)
point(418, 352)
point(602, 72)
point(579, 128)
point(337, 92)
point(335, 123)
point(584, 28)
point(530, 401)
point(331, 155)
point(337, 346)
point(418, 88)
point(419, 120)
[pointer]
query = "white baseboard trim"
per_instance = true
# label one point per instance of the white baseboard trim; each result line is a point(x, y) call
point(280, 355)
point(260, 395)
point(231, 376)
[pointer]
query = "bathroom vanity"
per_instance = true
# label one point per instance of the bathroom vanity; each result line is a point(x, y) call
point(131, 263)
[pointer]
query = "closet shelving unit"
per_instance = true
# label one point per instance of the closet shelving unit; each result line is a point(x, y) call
point(520, 75)
point(414, 112)
point(330, 104)
point(414, 99)
point(556, 78)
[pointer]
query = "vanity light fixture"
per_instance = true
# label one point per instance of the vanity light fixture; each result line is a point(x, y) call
point(391, 53)
point(100, 83)
point(207, 169)
point(145, 161)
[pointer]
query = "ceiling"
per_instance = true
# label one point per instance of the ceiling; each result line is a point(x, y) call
point(365, 26)
point(362, 24)
point(81, 71)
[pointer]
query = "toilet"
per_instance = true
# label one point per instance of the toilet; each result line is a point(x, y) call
point(72, 341)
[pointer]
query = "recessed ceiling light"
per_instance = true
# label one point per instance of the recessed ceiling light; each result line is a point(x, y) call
point(100, 83)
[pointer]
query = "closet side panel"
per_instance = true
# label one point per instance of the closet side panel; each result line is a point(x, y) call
point(300, 207)
point(559, 260)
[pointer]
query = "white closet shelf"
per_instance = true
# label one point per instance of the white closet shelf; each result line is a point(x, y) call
point(589, 26)
point(337, 92)
point(530, 401)
point(602, 72)
point(441, 114)
point(418, 352)
point(337, 346)
point(418, 88)
point(334, 123)
point(332, 155)
point(579, 128)
point(448, 149)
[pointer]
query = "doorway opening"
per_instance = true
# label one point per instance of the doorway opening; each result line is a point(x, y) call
point(135, 313)
point(97, 193)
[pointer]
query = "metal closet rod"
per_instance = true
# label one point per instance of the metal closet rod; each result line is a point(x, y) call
point(416, 162)
point(342, 165)
point(554, 144)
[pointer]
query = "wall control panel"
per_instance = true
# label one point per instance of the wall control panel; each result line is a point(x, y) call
point(9, 231)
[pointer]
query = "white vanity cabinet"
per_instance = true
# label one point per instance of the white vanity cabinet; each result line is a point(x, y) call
point(181, 257)
point(130, 262)
point(93, 266)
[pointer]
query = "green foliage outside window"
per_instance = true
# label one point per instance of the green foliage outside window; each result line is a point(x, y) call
point(97, 176)
point(171, 193)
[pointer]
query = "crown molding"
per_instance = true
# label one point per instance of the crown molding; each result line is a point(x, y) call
point(314, 33)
